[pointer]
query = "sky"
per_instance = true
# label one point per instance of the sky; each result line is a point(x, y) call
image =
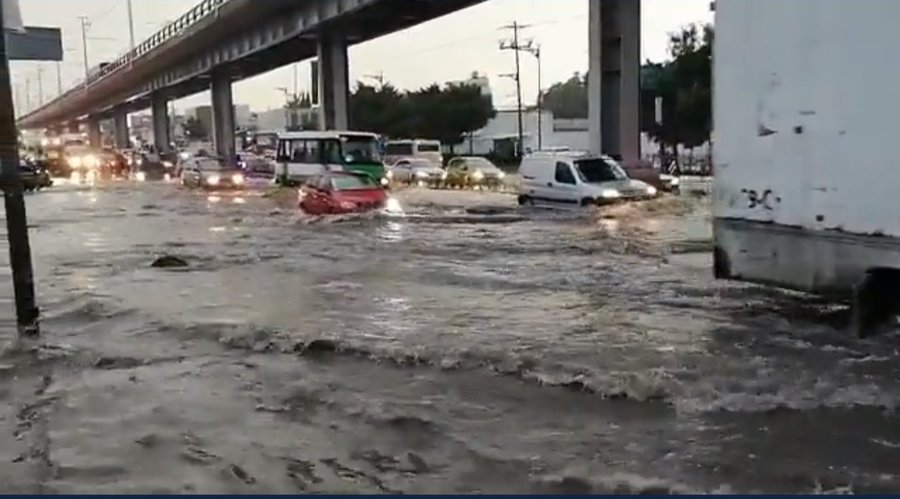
point(446, 49)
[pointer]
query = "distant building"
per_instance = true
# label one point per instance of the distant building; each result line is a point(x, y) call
point(477, 80)
point(242, 116)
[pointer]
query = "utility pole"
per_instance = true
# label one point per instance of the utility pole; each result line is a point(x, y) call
point(516, 48)
point(14, 202)
point(85, 24)
point(40, 82)
point(535, 50)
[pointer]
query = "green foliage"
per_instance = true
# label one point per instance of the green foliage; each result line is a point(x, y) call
point(569, 99)
point(434, 112)
point(684, 83)
point(195, 129)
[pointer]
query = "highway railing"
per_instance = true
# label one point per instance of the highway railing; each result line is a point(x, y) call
point(171, 30)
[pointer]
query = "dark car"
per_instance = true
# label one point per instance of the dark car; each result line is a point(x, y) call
point(34, 178)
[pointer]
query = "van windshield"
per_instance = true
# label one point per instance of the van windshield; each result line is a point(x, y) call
point(595, 171)
point(429, 147)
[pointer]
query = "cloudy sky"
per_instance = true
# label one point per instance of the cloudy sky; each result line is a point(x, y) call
point(445, 49)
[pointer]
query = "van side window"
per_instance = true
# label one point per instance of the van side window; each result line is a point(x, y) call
point(564, 174)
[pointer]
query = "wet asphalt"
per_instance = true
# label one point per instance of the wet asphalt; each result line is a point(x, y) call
point(467, 346)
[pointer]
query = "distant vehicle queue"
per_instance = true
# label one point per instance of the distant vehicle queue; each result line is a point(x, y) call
point(347, 171)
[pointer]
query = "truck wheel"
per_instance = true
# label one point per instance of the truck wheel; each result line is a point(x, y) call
point(875, 303)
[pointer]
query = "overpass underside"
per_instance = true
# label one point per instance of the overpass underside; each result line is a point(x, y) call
point(244, 38)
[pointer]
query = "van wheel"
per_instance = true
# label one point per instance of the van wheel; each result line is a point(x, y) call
point(526, 201)
point(588, 202)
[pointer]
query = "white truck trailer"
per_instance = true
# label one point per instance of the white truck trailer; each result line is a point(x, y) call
point(806, 193)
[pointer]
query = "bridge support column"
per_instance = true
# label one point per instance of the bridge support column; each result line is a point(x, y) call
point(73, 127)
point(120, 128)
point(223, 116)
point(334, 82)
point(95, 137)
point(159, 107)
point(614, 75)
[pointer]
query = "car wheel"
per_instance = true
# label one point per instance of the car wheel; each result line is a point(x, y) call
point(526, 201)
point(588, 202)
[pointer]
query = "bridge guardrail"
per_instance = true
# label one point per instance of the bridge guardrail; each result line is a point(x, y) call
point(169, 31)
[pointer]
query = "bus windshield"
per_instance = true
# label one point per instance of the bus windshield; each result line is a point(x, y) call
point(360, 150)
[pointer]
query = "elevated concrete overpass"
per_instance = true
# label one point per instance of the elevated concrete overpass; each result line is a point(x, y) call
point(218, 42)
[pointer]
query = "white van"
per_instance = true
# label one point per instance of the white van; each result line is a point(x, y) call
point(577, 178)
point(395, 150)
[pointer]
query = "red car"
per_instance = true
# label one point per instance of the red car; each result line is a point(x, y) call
point(344, 192)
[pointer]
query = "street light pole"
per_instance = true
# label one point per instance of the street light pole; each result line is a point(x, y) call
point(14, 202)
point(85, 23)
point(287, 98)
point(40, 82)
point(130, 24)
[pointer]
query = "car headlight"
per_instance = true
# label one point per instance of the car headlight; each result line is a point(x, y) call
point(389, 175)
point(651, 190)
point(478, 176)
point(501, 175)
point(421, 174)
point(674, 181)
point(610, 194)
point(75, 162)
point(348, 205)
point(141, 176)
point(185, 155)
point(385, 181)
point(213, 180)
point(391, 205)
point(168, 164)
point(237, 179)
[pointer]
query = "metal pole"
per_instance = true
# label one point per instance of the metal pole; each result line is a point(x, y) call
point(27, 93)
point(84, 26)
point(130, 25)
point(296, 80)
point(58, 78)
point(40, 82)
point(540, 100)
point(14, 202)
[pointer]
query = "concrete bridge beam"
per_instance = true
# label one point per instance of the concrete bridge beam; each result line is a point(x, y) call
point(159, 107)
point(223, 116)
point(614, 78)
point(334, 82)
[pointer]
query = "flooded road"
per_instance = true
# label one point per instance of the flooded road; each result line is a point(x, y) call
point(466, 347)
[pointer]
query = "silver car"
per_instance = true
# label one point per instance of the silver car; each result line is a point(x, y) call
point(418, 171)
point(211, 173)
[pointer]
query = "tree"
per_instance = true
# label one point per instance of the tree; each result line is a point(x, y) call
point(443, 113)
point(569, 99)
point(195, 129)
point(685, 85)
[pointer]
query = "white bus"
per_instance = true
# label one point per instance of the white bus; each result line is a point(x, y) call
point(394, 150)
point(303, 154)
